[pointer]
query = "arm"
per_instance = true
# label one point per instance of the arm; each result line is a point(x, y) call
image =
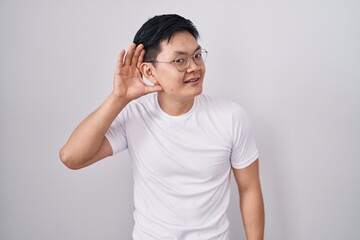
point(251, 201)
point(88, 143)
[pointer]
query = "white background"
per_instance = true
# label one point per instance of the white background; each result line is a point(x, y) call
point(293, 65)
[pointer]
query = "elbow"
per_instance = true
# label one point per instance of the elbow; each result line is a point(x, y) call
point(68, 160)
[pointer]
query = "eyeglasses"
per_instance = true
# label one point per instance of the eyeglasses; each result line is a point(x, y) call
point(182, 62)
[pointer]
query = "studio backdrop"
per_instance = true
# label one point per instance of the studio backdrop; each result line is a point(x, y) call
point(294, 66)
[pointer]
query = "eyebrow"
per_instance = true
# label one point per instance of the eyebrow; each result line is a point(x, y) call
point(182, 52)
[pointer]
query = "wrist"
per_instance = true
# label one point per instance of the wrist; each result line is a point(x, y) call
point(117, 100)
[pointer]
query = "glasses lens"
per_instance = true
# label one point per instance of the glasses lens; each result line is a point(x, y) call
point(200, 57)
point(182, 62)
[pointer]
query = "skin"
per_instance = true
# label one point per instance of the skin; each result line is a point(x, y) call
point(87, 144)
point(177, 97)
point(251, 200)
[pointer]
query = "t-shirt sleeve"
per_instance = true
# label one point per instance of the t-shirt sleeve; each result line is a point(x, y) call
point(244, 149)
point(116, 134)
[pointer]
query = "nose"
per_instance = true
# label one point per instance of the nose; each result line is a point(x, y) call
point(192, 65)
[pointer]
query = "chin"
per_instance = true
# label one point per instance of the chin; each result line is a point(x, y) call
point(197, 92)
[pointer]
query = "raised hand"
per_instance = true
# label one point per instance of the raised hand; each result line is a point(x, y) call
point(128, 82)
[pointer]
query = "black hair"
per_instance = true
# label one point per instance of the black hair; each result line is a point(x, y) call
point(162, 28)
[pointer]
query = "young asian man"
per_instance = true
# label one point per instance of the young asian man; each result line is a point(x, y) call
point(184, 144)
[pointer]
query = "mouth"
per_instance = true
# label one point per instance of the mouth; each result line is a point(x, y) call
point(192, 80)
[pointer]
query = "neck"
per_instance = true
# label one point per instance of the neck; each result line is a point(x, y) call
point(174, 107)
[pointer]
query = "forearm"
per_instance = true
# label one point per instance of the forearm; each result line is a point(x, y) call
point(87, 144)
point(86, 139)
point(252, 209)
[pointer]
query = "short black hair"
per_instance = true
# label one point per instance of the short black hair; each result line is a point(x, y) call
point(161, 28)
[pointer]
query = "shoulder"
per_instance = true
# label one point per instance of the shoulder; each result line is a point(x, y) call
point(138, 108)
point(144, 102)
point(146, 99)
point(219, 104)
point(228, 111)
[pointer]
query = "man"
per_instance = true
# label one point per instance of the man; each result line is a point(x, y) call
point(183, 144)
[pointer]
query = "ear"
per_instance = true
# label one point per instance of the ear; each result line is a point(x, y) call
point(148, 70)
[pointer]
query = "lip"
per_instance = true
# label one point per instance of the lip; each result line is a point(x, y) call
point(192, 80)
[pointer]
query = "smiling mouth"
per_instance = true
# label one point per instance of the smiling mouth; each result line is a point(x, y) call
point(192, 80)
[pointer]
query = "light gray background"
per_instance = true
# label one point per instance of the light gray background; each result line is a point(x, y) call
point(293, 65)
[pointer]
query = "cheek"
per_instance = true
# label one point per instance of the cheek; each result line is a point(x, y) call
point(171, 81)
point(171, 85)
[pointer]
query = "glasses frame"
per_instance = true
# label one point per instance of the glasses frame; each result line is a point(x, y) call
point(203, 51)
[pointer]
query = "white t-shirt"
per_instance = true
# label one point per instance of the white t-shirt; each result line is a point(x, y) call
point(182, 165)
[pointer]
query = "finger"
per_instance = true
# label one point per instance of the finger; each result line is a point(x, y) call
point(136, 55)
point(120, 60)
point(129, 54)
point(141, 58)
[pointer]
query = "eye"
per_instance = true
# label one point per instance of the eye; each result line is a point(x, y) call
point(198, 55)
point(180, 60)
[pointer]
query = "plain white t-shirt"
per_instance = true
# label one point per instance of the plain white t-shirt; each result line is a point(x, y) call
point(182, 165)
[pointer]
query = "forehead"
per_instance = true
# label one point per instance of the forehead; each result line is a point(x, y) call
point(181, 42)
